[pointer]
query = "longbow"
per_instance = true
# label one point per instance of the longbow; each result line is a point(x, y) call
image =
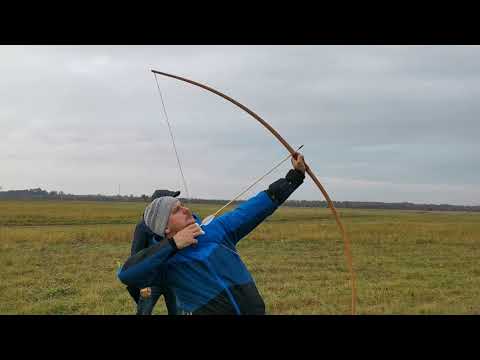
point(346, 239)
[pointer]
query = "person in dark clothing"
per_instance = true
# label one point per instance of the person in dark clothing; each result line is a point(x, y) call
point(201, 263)
point(147, 297)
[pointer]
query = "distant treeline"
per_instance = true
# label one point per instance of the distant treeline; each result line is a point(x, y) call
point(39, 194)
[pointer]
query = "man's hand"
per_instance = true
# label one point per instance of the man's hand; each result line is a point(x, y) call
point(146, 292)
point(186, 237)
point(298, 162)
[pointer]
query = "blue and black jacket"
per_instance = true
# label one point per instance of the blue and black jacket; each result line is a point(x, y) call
point(210, 277)
point(143, 238)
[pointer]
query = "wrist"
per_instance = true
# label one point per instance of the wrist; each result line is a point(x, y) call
point(295, 176)
point(173, 243)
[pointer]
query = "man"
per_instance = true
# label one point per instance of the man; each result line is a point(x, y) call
point(202, 264)
point(147, 298)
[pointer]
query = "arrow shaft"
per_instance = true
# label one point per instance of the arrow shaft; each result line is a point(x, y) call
point(256, 182)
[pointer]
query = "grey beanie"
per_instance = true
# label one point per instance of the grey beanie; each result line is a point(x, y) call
point(157, 213)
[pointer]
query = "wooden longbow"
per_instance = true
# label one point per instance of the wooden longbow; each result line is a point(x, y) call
point(346, 239)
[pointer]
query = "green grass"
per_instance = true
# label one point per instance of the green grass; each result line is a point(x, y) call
point(62, 257)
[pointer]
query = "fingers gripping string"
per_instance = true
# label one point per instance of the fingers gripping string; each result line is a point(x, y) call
point(173, 140)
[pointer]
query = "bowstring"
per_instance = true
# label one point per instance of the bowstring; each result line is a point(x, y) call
point(173, 140)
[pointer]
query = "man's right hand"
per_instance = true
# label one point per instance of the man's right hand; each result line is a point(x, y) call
point(186, 237)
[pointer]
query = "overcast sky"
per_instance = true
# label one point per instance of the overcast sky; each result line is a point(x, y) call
point(379, 123)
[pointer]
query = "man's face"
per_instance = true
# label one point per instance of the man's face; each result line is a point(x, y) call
point(180, 218)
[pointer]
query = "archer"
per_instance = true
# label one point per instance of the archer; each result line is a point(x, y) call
point(203, 267)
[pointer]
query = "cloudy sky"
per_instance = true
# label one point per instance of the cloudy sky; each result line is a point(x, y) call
point(379, 123)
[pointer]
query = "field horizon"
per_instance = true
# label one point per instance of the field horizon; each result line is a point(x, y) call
point(61, 257)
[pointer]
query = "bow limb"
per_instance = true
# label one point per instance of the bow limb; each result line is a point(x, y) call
point(346, 239)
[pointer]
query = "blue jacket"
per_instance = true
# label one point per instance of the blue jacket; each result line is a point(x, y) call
point(144, 238)
point(210, 277)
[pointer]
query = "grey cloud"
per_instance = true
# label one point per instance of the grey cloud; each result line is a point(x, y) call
point(383, 123)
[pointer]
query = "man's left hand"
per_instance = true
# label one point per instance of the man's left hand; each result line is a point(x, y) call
point(298, 162)
point(146, 292)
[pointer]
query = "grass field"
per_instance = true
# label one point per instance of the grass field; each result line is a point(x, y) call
point(62, 257)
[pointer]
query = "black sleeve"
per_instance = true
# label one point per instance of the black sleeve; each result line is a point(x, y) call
point(140, 239)
point(280, 190)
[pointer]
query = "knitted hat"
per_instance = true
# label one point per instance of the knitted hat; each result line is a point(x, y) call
point(157, 213)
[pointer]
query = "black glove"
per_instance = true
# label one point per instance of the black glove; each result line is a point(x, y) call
point(160, 193)
point(280, 190)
